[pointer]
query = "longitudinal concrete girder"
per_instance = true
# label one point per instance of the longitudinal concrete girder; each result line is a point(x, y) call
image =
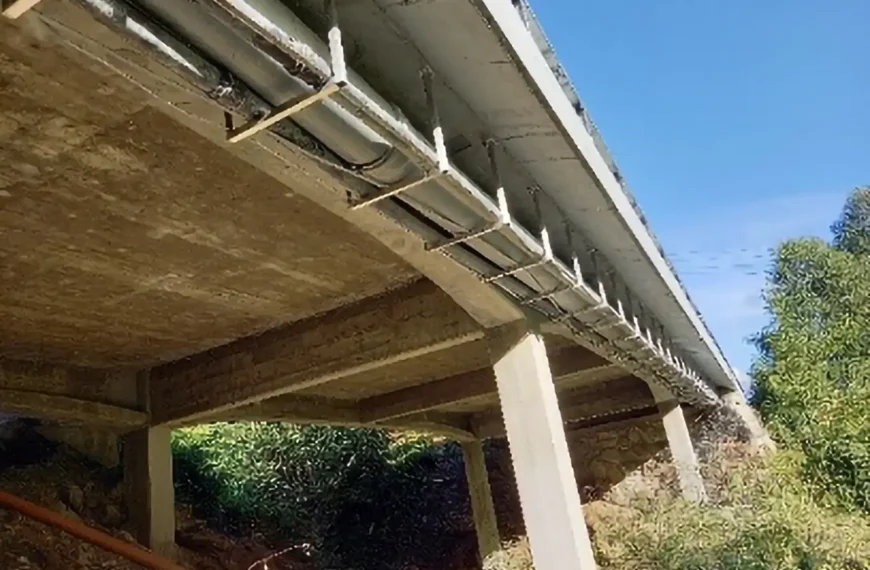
point(454, 395)
point(402, 324)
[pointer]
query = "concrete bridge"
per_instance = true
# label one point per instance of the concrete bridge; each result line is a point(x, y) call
point(377, 213)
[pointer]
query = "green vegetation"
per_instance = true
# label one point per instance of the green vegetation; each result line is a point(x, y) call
point(762, 518)
point(813, 373)
point(362, 498)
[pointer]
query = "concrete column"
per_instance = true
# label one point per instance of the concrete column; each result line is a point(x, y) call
point(680, 443)
point(148, 486)
point(482, 509)
point(548, 491)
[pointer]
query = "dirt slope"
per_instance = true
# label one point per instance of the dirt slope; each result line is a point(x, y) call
point(58, 478)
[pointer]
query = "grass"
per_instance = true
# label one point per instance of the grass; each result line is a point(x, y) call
point(761, 517)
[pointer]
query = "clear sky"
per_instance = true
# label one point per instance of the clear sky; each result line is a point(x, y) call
point(737, 123)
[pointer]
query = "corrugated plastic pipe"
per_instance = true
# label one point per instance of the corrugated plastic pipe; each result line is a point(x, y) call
point(131, 552)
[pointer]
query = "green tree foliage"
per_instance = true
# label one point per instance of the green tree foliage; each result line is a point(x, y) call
point(359, 497)
point(852, 230)
point(813, 373)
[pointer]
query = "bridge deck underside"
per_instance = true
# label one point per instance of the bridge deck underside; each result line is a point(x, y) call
point(128, 239)
point(130, 243)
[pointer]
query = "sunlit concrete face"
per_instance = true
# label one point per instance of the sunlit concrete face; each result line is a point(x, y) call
point(128, 239)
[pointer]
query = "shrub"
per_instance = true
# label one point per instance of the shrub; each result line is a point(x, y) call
point(361, 498)
point(767, 520)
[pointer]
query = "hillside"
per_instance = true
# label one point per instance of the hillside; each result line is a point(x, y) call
point(761, 517)
point(57, 477)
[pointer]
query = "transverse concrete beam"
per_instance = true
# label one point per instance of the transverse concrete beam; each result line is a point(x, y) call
point(581, 404)
point(326, 411)
point(409, 322)
point(466, 387)
point(70, 395)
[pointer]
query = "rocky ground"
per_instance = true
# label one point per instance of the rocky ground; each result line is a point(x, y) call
point(56, 477)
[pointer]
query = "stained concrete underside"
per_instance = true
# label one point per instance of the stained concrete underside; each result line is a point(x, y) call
point(132, 238)
point(127, 239)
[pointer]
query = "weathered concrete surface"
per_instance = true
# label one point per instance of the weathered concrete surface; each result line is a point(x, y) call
point(148, 489)
point(168, 90)
point(100, 445)
point(548, 493)
point(482, 507)
point(400, 325)
point(128, 239)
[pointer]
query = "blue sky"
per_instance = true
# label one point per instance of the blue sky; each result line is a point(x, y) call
point(737, 124)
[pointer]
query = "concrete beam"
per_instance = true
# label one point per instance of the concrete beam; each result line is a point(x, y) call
point(462, 388)
point(70, 410)
point(70, 395)
point(583, 404)
point(149, 493)
point(284, 162)
point(482, 508)
point(325, 411)
point(430, 396)
point(293, 409)
point(545, 479)
point(485, 426)
point(403, 324)
point(680, 444)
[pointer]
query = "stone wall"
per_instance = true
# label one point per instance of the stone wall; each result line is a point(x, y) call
point(623, 459)
point(630, 460)
point(624, 462)
point(96, 444)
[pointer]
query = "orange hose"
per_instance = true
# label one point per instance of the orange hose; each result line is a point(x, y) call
point(80, 530)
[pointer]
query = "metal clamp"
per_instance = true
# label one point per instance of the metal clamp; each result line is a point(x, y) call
point(546, 258)
point(442, 165)
point(297, 104)
point(504, 220)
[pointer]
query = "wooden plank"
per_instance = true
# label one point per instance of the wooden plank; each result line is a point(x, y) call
point(66, 409)
point(14, 9)
point(281, 112)
point(403, 324)
point(462, 388)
